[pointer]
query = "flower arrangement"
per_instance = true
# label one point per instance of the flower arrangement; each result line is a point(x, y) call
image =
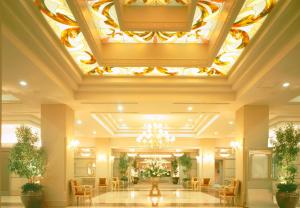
point(155, 168)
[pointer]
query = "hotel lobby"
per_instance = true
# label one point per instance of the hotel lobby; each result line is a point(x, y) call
point(150, 103)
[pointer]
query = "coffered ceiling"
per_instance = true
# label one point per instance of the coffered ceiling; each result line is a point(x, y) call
point(131, 125)
point(56, 60)
point(103, 36)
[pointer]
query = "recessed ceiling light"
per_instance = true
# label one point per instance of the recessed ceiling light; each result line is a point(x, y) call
point(120, 108)
point(190, 108)
point(120, 119)
point(79, 122)
point(216, 133)
point(286, 84)
point(230, 122)
point(94, 132)
point(23, 83)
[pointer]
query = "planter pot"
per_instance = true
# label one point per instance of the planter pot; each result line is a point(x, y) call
point(186, 184)
point(124, 184)
point(175, 180)
point(135, 180)
point(286, 199)
point(32, 199)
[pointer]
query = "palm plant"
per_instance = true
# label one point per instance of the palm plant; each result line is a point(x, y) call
point(123, 166)
point(186, 163)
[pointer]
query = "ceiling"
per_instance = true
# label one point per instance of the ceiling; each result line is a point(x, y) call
point(189, 106)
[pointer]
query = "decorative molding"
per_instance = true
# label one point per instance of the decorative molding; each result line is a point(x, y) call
point(256, 60)
point(25, 27)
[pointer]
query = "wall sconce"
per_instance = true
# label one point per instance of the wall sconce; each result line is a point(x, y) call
point(74, 143)
point(112, 158)
point(198, 158)
point(101, 157)
point(208, 158)
point(235, 145)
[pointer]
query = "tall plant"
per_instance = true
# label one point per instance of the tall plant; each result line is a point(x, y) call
point(174, 165)
point(285, 153)
point(123, 166)
point(186, 162)
point(27, 160)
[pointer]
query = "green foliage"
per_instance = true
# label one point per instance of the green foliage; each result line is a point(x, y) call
point(285, 153)
point(123, 164)
point(287, 187)
point(174, 165)
point(124, 178)
point(26, 160)
point(186, 162)
point(31, 187)
point(186, 179)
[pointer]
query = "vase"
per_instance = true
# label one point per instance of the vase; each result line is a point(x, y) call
point(32, 199)
point(286, 199)
point(154, 189)
point(155, 180)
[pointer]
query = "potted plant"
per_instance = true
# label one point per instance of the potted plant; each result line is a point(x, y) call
point(28, 161)
point(285, 153)
point(123, 167)
point(174, 166)
point(135, 175)
point(186, 162)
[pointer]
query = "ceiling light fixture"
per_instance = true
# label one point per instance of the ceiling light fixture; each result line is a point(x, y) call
point(286, 84)
point(79, 122)
point(155, 136)
point(190, 108)
point(23, 83)
point(177, 154)
point(230, 122)
point(120, 108)
point(94, 132)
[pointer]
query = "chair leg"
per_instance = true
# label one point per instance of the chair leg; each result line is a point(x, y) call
point(77, 199)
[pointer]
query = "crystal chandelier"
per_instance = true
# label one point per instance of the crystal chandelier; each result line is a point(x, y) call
point(155, 136)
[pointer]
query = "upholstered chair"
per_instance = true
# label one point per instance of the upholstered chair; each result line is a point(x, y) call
point(81, 191)
point(230, 193)
point(103, 183)
point(115, 182)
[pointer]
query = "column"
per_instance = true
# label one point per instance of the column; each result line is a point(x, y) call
point(103, 158)
point(57, 122)
point(207, 157)
point(252, 133)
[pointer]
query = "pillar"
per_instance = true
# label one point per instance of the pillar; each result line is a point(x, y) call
point(103, 158)
point(207, 159)
point(57, 122)
point(252, 124)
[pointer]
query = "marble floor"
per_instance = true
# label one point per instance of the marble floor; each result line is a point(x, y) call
point(138, 198)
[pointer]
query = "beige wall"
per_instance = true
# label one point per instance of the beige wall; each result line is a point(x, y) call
point(206, 160)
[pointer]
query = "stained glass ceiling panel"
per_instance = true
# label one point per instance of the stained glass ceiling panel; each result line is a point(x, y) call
point(156, 2)
point(105, 17)
point(249, 20)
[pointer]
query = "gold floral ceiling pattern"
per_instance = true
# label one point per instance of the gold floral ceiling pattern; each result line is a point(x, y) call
point(156, 2)
point(249, 20)
point(106, 20)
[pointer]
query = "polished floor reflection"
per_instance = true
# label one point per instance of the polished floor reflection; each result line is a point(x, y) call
point(139, 198)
